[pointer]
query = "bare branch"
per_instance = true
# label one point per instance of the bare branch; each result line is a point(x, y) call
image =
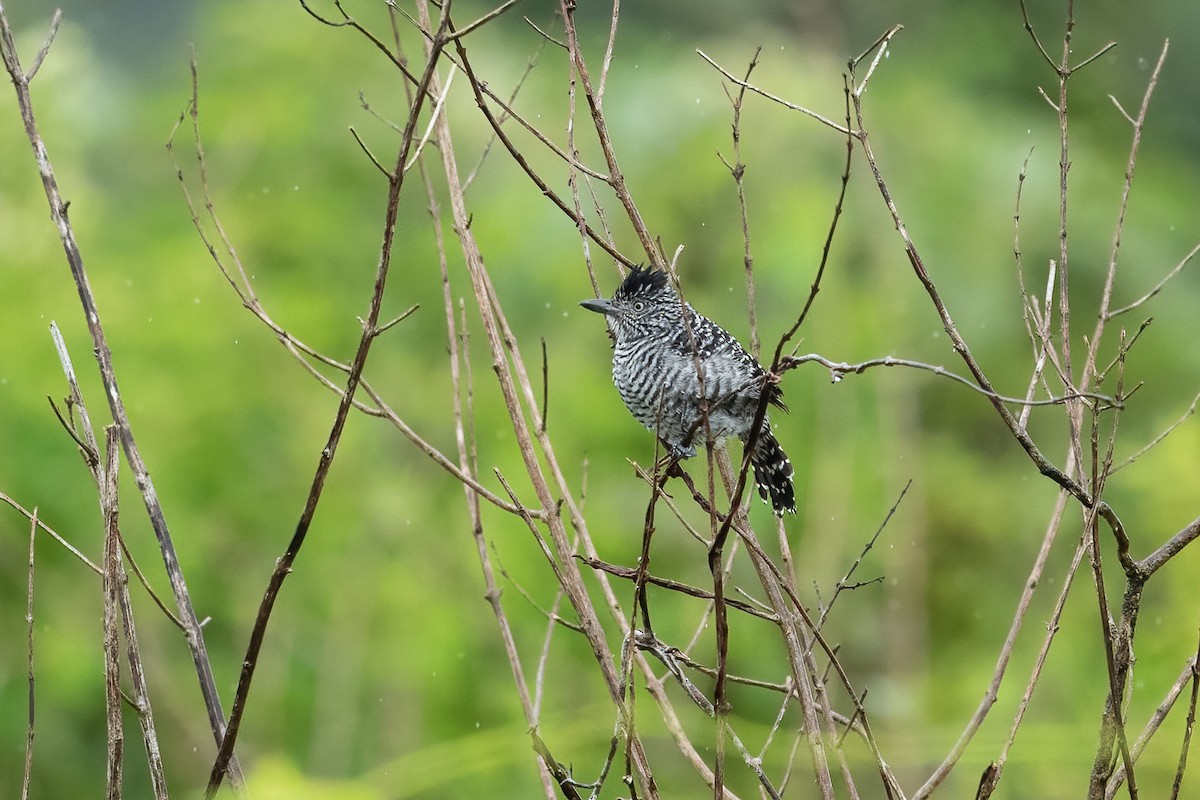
point(112, 571)
point(45, 49)
point(367, 151)
point(729, 76)
point(433, 117)
point(959, 343)
point(630, 573)
point(1157, 439)
point(1157, 287)
point(1121, 109)
point(1037, 42)
point(1185, 744)
point(1188, 675)
point(839, 370)
point(483, 20)
point(547, 37)
point(844, 582)
point(1093, 57)
point(33, 518)
point(33, 526)
point(350, 22)
point(616, 180)
point(1138, 126)
point(1151, 563)
point(879, 47)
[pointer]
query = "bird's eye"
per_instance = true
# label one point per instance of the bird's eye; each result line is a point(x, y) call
point(639, 306)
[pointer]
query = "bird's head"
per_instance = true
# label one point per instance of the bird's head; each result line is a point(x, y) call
point(644, 305)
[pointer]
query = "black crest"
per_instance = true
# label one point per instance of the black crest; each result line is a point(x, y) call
point(644, 281)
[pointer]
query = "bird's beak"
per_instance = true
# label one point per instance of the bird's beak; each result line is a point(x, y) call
point(599, 305)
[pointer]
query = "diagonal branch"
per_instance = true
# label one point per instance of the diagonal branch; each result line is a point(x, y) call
point(370, 331)
point(956, 339)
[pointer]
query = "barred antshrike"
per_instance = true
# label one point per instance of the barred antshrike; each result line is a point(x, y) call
point(658, 343)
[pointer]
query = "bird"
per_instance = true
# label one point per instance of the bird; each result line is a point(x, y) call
point(685, 377)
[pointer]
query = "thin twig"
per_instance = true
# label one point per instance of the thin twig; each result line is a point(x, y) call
point(45, 48)
point(90, 448)
point(530, 64)
point(32, 517)
point(350, 22)
point(1157, 287)
point(1168, 550)
point(879, 48)
point(483, 20)
point(478, 87)
point(1157, 439)
point(1032, 327)
point(433, 117)
point(1006, 651)
point(1154, 724)
point(29, 661)
point(844, 582)
point(631, 573)
point(839, 369)
point(367, 151)
point(1189, 726)
point(737, 171)
point(1033, 34)
point(616, 180)
point(729, 76)
point(545, 384)
point(1139, 125)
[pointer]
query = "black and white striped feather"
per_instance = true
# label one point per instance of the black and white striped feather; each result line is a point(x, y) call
point(688, 379)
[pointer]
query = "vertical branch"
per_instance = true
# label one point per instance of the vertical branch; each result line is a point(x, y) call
point(141, 692)
point(514, 384)
point(1113, 724)
point(29, 660)
point(721, 705)
point(1185, 744)
point(1063, 71)
point(513, 378)
point(1036, 320)
point(112, 572)
point(738, 171)
point(458, 358)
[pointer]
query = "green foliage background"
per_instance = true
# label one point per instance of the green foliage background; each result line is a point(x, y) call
point(383, 674)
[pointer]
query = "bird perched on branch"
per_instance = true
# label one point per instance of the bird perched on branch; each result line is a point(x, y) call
point(686, 378)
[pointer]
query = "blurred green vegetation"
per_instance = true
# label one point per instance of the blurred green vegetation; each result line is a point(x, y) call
point(383, 673)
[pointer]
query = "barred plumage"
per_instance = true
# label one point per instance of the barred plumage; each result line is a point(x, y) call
point(658, 340)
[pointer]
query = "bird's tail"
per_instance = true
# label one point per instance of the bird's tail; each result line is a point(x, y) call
point(773, 473)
